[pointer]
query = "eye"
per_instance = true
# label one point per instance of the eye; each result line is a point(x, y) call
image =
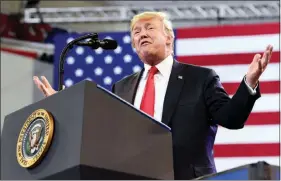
point(136, 32)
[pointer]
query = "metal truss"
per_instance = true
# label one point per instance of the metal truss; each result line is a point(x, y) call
point(238, 10)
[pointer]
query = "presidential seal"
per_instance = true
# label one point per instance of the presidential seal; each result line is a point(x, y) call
point(35, 138)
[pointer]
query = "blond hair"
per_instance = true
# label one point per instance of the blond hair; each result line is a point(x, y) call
point(162, 16)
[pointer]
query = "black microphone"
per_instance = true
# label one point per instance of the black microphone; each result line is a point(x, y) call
point(94, 43)
point(106, 44)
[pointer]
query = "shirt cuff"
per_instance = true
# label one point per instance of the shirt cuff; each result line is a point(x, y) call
point(251, 90)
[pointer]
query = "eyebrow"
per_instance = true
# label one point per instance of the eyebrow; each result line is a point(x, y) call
point(135, 28)
point(146, 25)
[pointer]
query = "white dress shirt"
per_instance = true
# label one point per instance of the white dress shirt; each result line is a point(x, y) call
point(161, 80)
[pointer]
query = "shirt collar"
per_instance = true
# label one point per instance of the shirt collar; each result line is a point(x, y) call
point(164, 67)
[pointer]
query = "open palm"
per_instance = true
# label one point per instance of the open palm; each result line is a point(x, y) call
point(44, 86)
point(258, 66)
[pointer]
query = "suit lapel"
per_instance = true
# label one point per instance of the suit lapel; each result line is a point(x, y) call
point(132, 86)
point(174, 88)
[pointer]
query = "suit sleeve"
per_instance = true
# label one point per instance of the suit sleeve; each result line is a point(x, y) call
point(231, 113)
point(113, 89)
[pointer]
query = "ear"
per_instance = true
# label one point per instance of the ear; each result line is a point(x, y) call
point(132, 42)
point(169, 40)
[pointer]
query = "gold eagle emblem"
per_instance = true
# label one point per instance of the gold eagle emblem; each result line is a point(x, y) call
point(35, 138)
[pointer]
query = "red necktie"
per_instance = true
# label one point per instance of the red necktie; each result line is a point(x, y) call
point(148, 99)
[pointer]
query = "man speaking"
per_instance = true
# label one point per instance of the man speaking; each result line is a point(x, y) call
point(188, 98)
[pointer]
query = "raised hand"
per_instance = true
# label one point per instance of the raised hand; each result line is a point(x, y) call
point(44, 86)
point(258, 66)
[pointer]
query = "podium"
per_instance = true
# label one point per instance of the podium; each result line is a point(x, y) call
point(96, 135)
point(255, 171)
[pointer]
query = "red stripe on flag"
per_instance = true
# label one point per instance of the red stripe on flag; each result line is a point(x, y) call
point(228, 30)
point(266, 87)
point(247, 150)
point(266, 118)
point(20, 52)
point(224, 59)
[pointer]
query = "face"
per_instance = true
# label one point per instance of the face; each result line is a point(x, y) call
point(150, 40)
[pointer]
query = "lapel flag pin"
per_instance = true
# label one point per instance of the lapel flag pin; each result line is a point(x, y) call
point(179, 77)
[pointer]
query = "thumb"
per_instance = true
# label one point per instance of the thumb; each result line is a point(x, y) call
point(257, 57)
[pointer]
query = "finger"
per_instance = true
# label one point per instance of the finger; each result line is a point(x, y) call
point(35, 79)
point(257, 57)
point(260, 64)
point(41, 86)
point(44, 89)
point(268, 48)
point(264, 53)
point(46, 82)
point(266, 59)
point(37, 82)
point(270, 52)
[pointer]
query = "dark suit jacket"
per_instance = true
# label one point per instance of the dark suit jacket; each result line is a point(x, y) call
point(194, 106)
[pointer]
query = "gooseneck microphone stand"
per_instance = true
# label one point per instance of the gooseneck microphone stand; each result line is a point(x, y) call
point(93, 36)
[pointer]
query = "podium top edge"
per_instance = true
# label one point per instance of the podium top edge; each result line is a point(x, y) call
point(234, 169)
point(132, 106)
point(124, 101)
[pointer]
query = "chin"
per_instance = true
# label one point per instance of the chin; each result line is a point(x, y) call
point(149, 52)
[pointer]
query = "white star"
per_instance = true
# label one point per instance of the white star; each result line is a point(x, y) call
point(79, 50)
point(69, 39)
point(89, 59)
point(117, 70)
point(127, 58)
point(126, 39)
point(108, 59)
point(107, 80)
point(118, 50)
point(99, 50)
point(79, 72)
point(68, 82)
point(98, 71)
point(88, 78)
point(108, 37)
point(70, 60)
point(136, 68)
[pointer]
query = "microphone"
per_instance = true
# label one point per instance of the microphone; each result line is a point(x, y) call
point(94, 43)
point(106, 44)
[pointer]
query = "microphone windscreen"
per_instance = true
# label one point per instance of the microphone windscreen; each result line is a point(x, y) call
point(109, 44)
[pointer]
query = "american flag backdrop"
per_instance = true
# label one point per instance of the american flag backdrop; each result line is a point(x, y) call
point(228, 50)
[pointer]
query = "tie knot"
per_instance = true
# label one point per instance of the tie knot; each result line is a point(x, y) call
point(153, 70)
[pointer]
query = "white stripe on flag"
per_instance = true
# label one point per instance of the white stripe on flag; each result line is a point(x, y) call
point(249, 134)
point(266, 103)
point(235, 73)
point(225, 45)
point(229, 163)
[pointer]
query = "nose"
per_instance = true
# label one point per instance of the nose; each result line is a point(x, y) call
point(143, 34)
